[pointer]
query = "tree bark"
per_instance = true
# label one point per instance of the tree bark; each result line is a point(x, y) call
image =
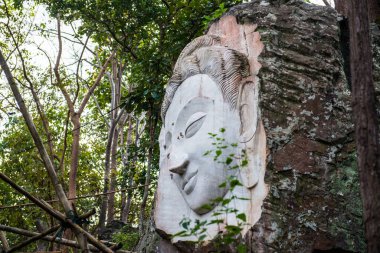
point(152, 130)
point(50, 238)
point(366, 124)
point(125, 158)
point(4, 241)
point(131, 173)
point(373, 6)
point(39, 144)
point(80, 233)
point(115, 80)
point(104, 205)
point(75, 150)
point(41, 226)
point(113, 181)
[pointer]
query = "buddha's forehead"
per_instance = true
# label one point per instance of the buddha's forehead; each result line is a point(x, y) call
point(197, 86)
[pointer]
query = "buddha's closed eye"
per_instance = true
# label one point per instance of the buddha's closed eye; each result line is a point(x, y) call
point(194, 123)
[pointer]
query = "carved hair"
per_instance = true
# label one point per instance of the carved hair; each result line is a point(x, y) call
point(204, 55)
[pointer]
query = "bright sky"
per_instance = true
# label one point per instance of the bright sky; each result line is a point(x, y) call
point(320, 2)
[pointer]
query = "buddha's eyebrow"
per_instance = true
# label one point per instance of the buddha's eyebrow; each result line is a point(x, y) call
point(197, 104)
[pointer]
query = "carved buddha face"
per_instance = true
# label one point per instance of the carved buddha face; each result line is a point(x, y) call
point(197, 109)
point(210, 90)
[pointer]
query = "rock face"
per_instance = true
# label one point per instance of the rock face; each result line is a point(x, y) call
point(313, 203)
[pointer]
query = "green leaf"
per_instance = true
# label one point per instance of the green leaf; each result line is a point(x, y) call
point(181, 233)
point(217, 200)
point(242, 217)
point(201, 238)
point(244, 163)
point(241, 248)
point(223, 185)
point(235, 182)
point(207, 153)
point(207, 207)
point(216, 221)
point(226, 202)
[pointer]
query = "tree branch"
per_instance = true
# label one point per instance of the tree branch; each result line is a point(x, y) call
point(56, 67)
point(96, 83)
point(78, 66)
point(51, 238)
point(4, 241)
point(326, 3)
point(58, 215)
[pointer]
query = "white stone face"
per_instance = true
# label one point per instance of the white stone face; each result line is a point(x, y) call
point(198, 109)
point(194, 106)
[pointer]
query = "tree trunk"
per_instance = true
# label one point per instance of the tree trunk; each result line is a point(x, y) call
point(126, 164)
point(113, 181)
point(74, 157)
point(152, 129)
point(41, 226)
point(48, 163)
point(366, 124)
point(106, 178)
point(4, 241)
point(373, 6)
point(131, 173)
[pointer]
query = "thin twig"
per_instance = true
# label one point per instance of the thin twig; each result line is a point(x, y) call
point(58, 215)
point(50, 238)
point(33, 239)
point(78, 197)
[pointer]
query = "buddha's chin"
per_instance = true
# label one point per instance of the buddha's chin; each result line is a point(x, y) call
point(197, 203)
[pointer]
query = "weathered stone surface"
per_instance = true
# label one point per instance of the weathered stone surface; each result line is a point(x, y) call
point(313, 203)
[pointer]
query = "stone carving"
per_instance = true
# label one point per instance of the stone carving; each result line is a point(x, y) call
point(212, 87)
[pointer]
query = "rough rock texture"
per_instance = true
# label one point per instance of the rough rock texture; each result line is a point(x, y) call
point(375, 29)
point(111, 228)
point(314, 202)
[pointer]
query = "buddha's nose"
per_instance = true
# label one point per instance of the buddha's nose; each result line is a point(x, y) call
point(177, 163)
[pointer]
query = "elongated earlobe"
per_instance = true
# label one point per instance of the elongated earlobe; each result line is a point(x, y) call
point(248, 109)
point(251, 134)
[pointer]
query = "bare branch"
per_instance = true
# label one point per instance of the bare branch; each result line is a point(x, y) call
point(56, 67)
point(33, 239)
point(32, 128)
point(62, 160)
point(4, 241)
point(96, 83)
point(99, 108)
point(50, 65)
point(69, 102)
point(78, 197)
point(78, 66)
point(51, 238)
point(326, 3)
point(79, 231)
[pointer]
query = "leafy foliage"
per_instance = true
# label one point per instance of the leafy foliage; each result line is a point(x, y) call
point(147, 36)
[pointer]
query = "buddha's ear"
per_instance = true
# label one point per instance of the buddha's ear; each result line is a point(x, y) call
point(248, 110)
point(255, 153)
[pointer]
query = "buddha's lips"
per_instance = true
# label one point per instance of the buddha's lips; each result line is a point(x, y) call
point(188, 179)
